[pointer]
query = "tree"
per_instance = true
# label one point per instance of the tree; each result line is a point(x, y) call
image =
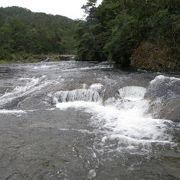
point(115, 28)
point(25, 32)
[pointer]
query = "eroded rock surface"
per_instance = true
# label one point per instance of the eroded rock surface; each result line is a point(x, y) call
point(164, 95)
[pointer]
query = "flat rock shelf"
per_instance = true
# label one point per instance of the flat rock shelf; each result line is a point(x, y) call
point(73, 120)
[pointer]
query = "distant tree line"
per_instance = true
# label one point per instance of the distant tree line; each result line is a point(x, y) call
point(25, 32)
point(117, 28)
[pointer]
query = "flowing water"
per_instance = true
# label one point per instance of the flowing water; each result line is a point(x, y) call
point(78, 121)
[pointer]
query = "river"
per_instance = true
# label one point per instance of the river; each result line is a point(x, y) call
point(83, 120)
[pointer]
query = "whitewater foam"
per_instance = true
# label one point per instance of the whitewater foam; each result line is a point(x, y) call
point(32, 85)
point(93, 94)
point(132, 93)
point(89, 68)
point(162, 77)
point(125, 120)
point(5, 111)
point(44, 67)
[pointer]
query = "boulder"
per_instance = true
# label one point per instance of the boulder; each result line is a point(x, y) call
point(164, 96)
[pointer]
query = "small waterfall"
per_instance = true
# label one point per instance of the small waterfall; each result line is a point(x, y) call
point(122, 118)
point(132, 93)
point(77, 95)
point(93, 94)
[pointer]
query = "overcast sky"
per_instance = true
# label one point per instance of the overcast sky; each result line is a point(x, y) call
point(69, 8)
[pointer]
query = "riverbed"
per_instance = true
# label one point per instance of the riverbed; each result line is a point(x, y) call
point(83, 120)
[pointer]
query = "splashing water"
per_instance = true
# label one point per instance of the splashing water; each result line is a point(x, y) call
point(32, 85)
point(81, 120)
point(123, 119)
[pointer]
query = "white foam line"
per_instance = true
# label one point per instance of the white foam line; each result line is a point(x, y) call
point(5, 111)
point(137, 141)
point(44, 67)
point(84, 131)
point(88, 68)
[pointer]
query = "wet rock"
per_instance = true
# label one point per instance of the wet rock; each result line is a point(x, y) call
point(47, 59)
point(164, 95)
point(67, 57)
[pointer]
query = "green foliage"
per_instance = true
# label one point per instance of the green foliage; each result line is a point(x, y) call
point(115, 28)
point(24, 32)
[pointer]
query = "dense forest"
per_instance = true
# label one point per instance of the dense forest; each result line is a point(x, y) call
point(24, 33)
point(141, 33)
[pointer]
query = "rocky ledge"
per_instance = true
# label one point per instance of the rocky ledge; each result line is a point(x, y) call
point(164, 96)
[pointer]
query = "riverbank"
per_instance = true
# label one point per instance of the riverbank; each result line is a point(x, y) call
point(144, 61)
point(30, 58)
point(155, 57)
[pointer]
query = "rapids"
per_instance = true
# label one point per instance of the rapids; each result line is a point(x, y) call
point(83, 120)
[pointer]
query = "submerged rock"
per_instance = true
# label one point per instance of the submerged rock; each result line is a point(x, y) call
point(164, 95)
point(5, 69)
